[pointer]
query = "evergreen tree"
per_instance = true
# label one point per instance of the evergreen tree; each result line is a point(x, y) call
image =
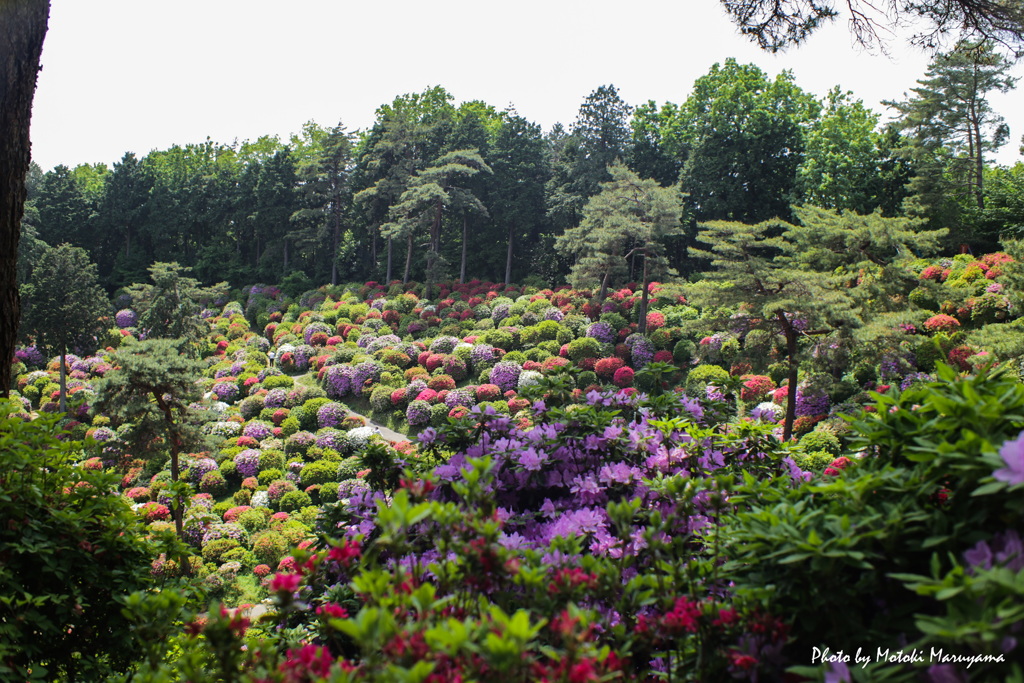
point(951, 127)
point(170, 307)
point(753, 266)
point(516, 196)
point(599, 137)
point(150, 390)
point(63, 305)
point(325, 197)
point(629, 216)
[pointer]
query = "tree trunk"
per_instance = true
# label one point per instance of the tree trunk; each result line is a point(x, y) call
point(390, 251)
point(23, 26)
point(408, 259)
point(642, 322)
point(791, 343)
point(465, 244)
point(604, 287)
point(285, 257)
point(63, 380)
point(508, 256)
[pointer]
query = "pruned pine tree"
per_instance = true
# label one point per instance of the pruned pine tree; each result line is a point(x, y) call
point(64, 305)
point(754, 266)
point(151, 388)
point(169, 308)
point(629, 216)
point(422, 206)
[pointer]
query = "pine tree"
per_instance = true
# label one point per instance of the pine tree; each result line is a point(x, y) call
point(150, 389)
point(64, 305)
point(170, 307)
point(629, 216)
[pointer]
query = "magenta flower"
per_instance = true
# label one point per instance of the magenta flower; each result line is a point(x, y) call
point(284, 583)
point(1013, 455)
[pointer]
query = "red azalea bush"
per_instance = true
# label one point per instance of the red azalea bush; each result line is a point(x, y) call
point(756, 387)
point(606, 367)
point(488, 392)
point(942, 323)
point(623, 377)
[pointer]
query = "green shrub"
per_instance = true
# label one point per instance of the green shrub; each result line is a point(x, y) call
point(267, 476)
point(269, 546)
point(584, 347)
point(294, 500)
point(271, 460)
point(277, 382)
point(702, 375)
point(319, 472)
point(50, 567)
point(252, 521)
point(818, 440)
point(213, 482)
point(683, 351)
point(215, 549)
point(329, 492)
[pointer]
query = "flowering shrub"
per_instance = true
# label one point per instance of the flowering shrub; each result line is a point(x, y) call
point(623, 377)
point(505, 375)
point(606, 367)
point(942, 323)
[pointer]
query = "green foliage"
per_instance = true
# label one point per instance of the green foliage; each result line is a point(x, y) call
point(70, 550)
point(702, 375)
point(820, 441)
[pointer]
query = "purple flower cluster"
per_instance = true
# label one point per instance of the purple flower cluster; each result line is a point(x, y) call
point(1012, 453)
point(259, 430)
point(500, 312)
point(313, 328)
point(275, 398)
point(602, 332)
point(338, 381)
point(444, 344)
point(30, 356)
point(126, 318)
point(811, 402)
point(199, 467)
point(225, 391)
point(641, 350)
point(383, 342)
point(481, 356)
point(418, 413)
point(506, 375)
point(332, 438)
point(459, 397)
point(247, 463)
point(299, 442)
point(331, 414)
point(552, 313)
point(368, 371)
point(1004, 550)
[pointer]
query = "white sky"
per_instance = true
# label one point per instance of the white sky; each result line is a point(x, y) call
point(138, 75)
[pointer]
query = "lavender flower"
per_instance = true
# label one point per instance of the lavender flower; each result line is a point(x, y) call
point(602, 332)
point(258, 430)
point(225, 391)
point(506, 375)
point(275, 398)
point(418, 413)
point(126, 318)
point(333, 439)
point(1012, 453)
point(444, 344)
point(247, 463)
point(331, 415)
point(338, 381)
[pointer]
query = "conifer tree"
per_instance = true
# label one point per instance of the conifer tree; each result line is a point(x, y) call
point(753, 266)
point(150, 389)
point(629, 216)
point(64, 305)
point(170, 306)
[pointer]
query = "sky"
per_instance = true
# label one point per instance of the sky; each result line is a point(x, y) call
point(137, 75)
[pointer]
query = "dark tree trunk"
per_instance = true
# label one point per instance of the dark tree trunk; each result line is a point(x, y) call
point(465, 245)
point(23, 26)
point(791, 344)
point(508, 257)
point(390, 251)
point(642, 321)
point(408, 259)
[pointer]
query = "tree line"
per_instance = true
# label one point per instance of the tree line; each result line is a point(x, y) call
point(437, 190)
